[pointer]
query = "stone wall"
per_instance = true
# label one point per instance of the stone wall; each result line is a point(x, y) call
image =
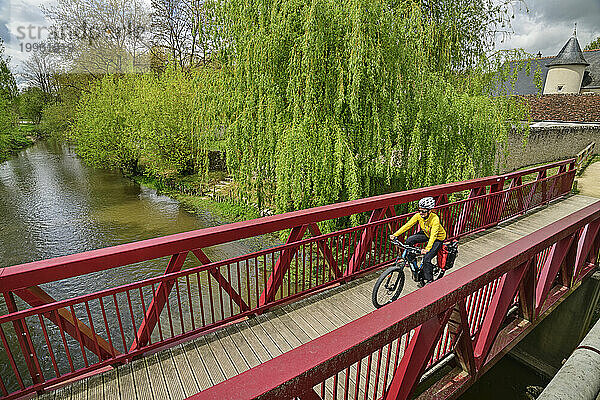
point(547, 144)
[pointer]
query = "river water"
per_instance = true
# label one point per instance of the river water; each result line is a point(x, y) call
point(52, 204)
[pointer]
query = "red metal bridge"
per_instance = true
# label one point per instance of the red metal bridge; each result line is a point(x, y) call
point(295, 320)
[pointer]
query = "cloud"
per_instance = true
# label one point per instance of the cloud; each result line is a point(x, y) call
point(549, 24)
point(4, 19)
point(4, 32)
point(584, 12)
point(16, 18)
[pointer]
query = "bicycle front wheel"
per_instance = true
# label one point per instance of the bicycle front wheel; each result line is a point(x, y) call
point(388, 286)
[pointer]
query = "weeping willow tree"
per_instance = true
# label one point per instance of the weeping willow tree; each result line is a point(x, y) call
point(341, 100)
point(319, 101)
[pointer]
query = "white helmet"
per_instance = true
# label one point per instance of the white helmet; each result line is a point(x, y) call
point(427, 203)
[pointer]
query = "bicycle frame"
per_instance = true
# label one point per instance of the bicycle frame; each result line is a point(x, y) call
point(413, 264)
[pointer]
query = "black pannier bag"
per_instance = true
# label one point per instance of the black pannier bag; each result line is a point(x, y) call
point(452, 253)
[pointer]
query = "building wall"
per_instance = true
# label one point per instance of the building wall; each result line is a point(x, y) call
point(547, 144)
point(567, 76)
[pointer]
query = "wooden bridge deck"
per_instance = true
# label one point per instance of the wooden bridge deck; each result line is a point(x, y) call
point(196, 365)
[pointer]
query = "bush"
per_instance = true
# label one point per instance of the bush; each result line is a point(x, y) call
point(159, 125)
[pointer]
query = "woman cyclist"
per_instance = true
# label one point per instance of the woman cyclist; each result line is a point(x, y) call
point(431, 232)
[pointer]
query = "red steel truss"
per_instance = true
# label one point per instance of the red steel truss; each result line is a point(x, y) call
point(113, 326)
point(384, 354)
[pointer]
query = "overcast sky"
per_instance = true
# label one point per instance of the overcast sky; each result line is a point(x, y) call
point(549, 24)
point(546, 27)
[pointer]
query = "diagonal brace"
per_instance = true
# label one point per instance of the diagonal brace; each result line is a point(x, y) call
point(416, 355)
point(325, 250)
point(496, 312)
point(281, 266)
point(223, 282)
point(35, 296)
point(158, 302)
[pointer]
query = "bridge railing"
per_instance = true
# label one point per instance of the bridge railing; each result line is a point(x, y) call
point(584, 155)
point(470, 314)
point(58, 340)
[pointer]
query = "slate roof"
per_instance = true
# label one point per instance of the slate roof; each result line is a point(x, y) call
point(570, 54)
point(524, 83)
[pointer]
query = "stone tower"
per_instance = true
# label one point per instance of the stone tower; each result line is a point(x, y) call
point(565, 71)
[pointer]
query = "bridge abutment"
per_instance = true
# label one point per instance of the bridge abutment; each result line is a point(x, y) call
point(546, 347)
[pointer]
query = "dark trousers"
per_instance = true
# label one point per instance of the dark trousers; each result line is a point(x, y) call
point(427, 265)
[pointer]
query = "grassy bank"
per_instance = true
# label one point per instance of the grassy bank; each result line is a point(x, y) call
point(182, 190)
point(15, 140)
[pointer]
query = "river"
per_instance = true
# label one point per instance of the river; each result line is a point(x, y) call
point(52, 204)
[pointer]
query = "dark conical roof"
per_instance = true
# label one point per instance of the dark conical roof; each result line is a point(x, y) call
point(569, 55)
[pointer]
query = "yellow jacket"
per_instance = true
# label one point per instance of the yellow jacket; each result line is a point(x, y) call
point(430, 226)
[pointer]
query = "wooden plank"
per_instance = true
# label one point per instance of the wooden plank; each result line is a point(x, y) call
point(318, 324)
point(110, 385)
point(126, 383)
point(79, 390)
point(46, 396)
point(141, 380)
point(159, 389)
point(197, 366)
point(95, 388)
point(232, 350)
point(186, 375)
point(249, 355)
point(212, 366)
point(359, 307)
point(171, 375)
point(267, 341)
point(64, 392)
point(341, 307)
point(335, 311)
point(258, 347)
point(220, 355)
point(323, 312)
point(278, 333)
point(304, 332)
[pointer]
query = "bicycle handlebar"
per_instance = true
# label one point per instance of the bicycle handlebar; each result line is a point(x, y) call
point(406, 247)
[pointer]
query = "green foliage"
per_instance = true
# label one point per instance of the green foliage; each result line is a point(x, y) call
point(594, 45)
point(11, 138)
point(338, 101)
point(8, 85)
point(31, 104)
point(8, 90)
point(160, 125)
point(316, 101)
point(58, 115)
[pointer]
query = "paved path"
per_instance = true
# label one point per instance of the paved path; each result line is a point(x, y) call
point(589, 183)
point(188, 368)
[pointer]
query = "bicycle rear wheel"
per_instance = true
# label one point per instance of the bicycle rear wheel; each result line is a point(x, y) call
point(388, 286)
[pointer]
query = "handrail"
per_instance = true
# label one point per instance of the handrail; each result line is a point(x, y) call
point(296, 372)
point(38, 272)
point(585, 154)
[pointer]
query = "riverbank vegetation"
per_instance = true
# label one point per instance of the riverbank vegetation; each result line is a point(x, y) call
point(312, 102)
point(12, 136)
